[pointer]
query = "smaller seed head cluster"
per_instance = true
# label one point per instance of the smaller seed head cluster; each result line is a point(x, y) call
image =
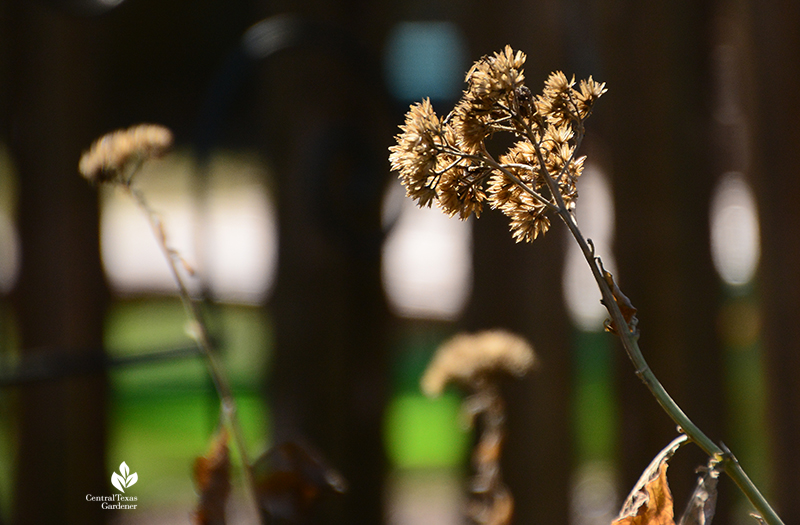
point(114, 155)
point(446, 161)
point(468, 358)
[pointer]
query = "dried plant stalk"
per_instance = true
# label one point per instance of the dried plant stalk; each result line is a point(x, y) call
point(445, 160)
point(115, 159)
point(474, 361)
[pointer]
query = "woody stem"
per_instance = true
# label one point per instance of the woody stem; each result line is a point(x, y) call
point(630, 343)
point(199, 333)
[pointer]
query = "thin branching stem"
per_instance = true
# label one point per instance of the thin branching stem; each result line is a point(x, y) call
point(488, 159)
point(199, 333)
point(630, 343)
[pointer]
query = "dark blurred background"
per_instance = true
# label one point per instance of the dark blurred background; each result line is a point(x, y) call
point(327, 292)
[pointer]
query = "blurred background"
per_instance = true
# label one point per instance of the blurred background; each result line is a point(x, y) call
point(327, 291)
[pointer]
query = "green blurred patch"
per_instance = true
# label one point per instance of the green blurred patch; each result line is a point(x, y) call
point(594, 401)
point(422, 432)
point(163, 414)
point(159, 435)
point(243, 334)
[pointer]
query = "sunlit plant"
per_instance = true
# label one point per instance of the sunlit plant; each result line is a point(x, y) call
point(474, 362)
point(115, 159)
point(445, 160)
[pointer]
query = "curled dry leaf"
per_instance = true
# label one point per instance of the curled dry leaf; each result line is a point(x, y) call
point(496, 509)
point(703, 503)
point(290, 479)
point(213, 481)
point(650, 501)
point(625, 306)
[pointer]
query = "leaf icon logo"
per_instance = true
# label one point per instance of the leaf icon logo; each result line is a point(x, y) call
point(121, 482)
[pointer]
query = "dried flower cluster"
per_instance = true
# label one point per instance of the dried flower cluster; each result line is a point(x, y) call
point(111, 156)
point(446, 160)
point(472, 360)
point(467, 358)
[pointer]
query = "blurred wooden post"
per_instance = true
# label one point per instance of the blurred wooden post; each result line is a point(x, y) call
point(657, 65)
point(775, 45)
point(329, 134)
point(518, 287)
point(61, 295)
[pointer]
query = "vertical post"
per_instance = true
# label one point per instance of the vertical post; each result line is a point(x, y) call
point(329, 134)
point(518, 287)
point(60, 296)
point(656, 60)
point(776, 73)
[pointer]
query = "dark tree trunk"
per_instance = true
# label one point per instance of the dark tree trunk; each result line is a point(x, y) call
point(518, 287)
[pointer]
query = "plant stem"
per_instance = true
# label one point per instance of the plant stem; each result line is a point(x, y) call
point(631, 345)
point(488, 159)
point(493, 502)
point(199, 332)
point(630, 342)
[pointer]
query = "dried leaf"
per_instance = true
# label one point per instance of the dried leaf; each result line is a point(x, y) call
point(650, 501)
point(496, 509)
point(290, 478)
point(625, 307)
point(703, 503)
point(213, 481)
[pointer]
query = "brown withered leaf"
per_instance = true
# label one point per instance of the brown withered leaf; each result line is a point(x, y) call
point(496, 508)
point(625, 306)
point(290, 479)
point(650, 501)
point(703, 503)
point(212, 477)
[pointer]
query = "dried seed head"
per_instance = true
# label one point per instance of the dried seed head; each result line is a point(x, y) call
point(415, 154)
point(492, 76)
point(112, 153)
point(470, 127)
point(447, 160)
point(467, 357)
point(589, 92)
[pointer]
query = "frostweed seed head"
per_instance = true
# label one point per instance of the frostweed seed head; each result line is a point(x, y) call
point(555, 104)
point(589, 92)
point(491, 77)
point(557, 84)
point(447, 160)
point(469, 127)
point(415, 154)
point(111, 154)
point(526, 214)
point(457, 194)
point(467, 357)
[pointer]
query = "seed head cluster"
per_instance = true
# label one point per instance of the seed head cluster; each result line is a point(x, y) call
point(466, 358)
point(445, 160)
point(113, 155)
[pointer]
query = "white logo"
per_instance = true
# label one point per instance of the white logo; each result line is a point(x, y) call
point(126, 479)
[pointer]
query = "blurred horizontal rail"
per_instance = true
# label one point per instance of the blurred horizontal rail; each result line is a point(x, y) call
point(48, 364)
